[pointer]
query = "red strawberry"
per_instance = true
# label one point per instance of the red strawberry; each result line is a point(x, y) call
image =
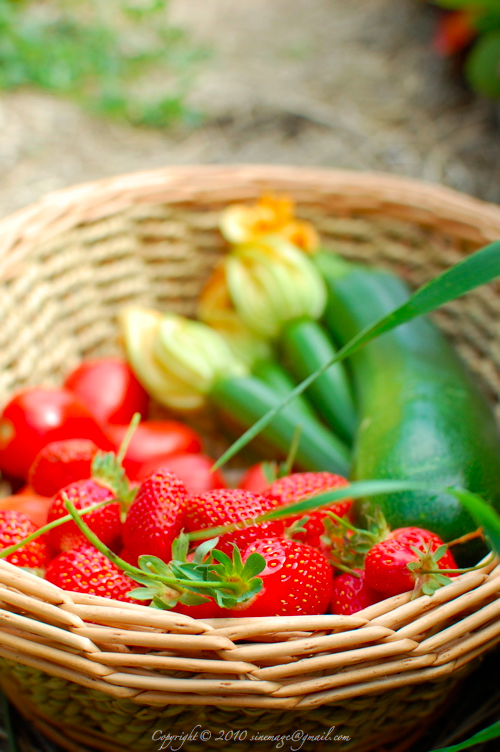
point(84, 569)
point(352, 594)
point(386, 563)
point(227, 506)
point(14, 527)
point(298, 486)
point(156, 516)
point(60, 463)
point(104, 522)
point(297, 580)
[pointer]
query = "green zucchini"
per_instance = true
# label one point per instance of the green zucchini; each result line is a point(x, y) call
point(422, 415)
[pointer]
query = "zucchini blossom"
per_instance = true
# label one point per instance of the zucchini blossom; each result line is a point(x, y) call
point(270, 215)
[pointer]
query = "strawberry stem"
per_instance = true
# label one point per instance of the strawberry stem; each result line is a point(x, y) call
point(467, 537)
point(491, 558)
point(286, 467)
point(173, 582)
point(136, 419)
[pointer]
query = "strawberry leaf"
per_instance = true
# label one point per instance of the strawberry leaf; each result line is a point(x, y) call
point(223, 559)
point(254, 565)
point(154, 565)
point(204, 549)
point(192, 599)
point(180, 547)
point(142, 594)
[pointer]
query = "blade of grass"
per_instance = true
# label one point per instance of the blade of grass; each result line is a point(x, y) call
point(491, 732)
point(477, 269)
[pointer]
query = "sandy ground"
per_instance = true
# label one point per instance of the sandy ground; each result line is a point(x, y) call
point(304, 82)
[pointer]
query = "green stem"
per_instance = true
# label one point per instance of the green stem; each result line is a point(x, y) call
point(488, 561)
point(175, 583)
point(49, 526)
point(287, 467)
point(136, 419)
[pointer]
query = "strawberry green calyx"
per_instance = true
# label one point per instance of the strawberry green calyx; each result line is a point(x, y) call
point(346, 545)
point(428, 576)
point(107, 469)
point(272, 282)
point(211, 573)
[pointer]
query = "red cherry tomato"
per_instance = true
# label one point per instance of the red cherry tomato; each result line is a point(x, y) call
point(36, 416)
point(195, 470)
point(152, 442)
point(109, 390)
point(33, 506)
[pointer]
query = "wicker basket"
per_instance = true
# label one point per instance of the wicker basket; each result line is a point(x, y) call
point(104, 675)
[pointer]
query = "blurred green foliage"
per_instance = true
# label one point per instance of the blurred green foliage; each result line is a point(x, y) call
point(120, 58)
point(482, 64)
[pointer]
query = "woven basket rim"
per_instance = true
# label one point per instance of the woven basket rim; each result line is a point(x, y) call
point(391, 190)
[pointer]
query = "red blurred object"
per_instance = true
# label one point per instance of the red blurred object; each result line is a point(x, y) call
point(153, 441)
point(33, 506)
point(109, 389)
point(455, 31)
point(59, 463)
point(195, 470)
point(36, 416)
point(254, 479)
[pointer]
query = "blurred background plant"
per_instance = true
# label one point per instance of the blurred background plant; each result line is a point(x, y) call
point(470, 31)
point(120, 58)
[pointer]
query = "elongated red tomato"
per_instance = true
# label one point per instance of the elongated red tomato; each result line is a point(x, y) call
point(36, 416)
point(152, 442)
point(109, 389)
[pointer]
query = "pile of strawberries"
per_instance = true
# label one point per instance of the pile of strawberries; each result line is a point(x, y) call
point(212, 553)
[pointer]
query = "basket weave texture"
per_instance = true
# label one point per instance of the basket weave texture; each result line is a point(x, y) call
point(115, 676)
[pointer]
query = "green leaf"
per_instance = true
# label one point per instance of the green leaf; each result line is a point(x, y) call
point(440, 552)
point(138, 578)
point(478, 5)
point(485, 516)
point(192, 599)
point(491, 732)
point(204, 549)
point(142, 594)
point(482, 66)
point(154, 565)
point(357, 490)
point(180, 547)
point(254, 565)
point(224, 559)
point(474, 270)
